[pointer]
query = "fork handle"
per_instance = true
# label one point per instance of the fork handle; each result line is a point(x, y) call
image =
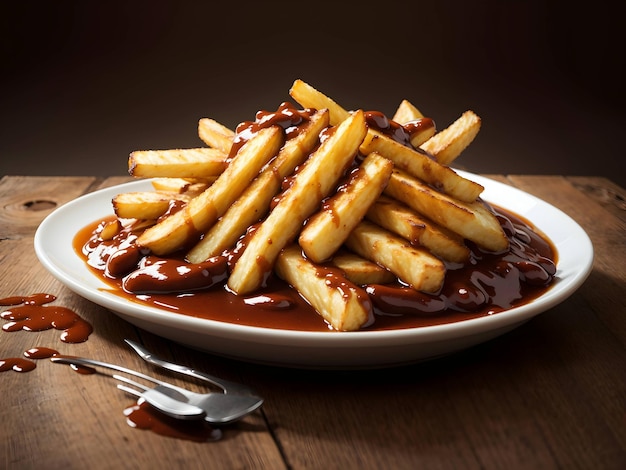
point(83, 361)
point(226, 385)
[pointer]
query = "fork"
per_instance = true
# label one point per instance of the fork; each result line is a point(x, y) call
point(166, 400)
point(219, 408)
point(226, 385)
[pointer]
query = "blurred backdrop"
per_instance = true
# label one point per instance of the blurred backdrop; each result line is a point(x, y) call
point(84, 83)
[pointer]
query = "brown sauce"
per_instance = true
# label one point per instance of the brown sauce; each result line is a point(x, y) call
point(16, 364)
point(23, 364)
point(143, 416)
point(138, 416)
point(40, 353)
point(489, 283)
point(32, 314)
point(289, 118)
point(401, 133)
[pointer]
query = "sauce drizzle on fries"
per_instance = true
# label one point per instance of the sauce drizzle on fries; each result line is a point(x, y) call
point(355, 219)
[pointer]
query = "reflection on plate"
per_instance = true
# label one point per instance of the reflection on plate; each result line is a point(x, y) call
point(324, 350)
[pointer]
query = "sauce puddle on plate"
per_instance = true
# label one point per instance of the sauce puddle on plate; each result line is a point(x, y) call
point(488, 284)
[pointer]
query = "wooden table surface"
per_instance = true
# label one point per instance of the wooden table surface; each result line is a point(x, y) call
point(550, 394)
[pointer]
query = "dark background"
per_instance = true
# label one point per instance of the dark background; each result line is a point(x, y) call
point(85, 83)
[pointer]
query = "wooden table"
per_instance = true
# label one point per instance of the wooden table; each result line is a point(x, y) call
point(550, 394)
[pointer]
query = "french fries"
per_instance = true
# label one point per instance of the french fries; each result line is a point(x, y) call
point(185, 226)
point(361, 271)
point(309, 97)
point(216, 135)
point(182, 163)
point(448, 144)
point(470, 220)
point(406, 112)
point(255, 200)
point(414, 162)
point(335, 207)
point(416, 267)
point(344, 305)
point(418, 230)
point(146, 205)
point(326, 231)
point(311, 184)
point(189, 186)
point(421, 166)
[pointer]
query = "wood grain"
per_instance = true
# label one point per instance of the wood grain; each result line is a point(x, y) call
point(550, 394)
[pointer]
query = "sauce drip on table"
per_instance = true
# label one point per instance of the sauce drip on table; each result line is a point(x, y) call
point(143, 416)
point(31, 313)
point(139, 416)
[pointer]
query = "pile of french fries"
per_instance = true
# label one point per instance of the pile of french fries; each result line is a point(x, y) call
point(398, 215)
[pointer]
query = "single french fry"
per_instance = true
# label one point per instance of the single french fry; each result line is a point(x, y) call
point(110, 229)
point(215, 134)
point(421, 166)
point(417, 230)
point(189, 186)
point(344, 305)
point(406, 112)
point(198, 162)
point(470, 220)
point(185, 226)
point(448, 144)
point(309, 97)
point(421, 128)
point(415, 266)
point(397, 218)
point(326, 230)
point(254, 202)
point(360, 270)
point(314, 181)
point(145, 204)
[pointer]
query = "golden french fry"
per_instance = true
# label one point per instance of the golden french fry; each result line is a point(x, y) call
point(344, 305)
point(449, 143)
point(309, 97)
point(421, 131)
point(198, 162)
point(421, 166)
point(361, 271)
point(185, 226)
point(470, 220)
point(326, 230)
point(145, 204)
point(189, 186)
point(420, 127)
point(417, 230)
point(314, 181)
point(110, 229)
point(414, 266)
point(254, 202)
point(215, 134)
point(406, 112)
point(397, 218)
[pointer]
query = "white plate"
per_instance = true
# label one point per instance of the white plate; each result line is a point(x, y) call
point(340, 350)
